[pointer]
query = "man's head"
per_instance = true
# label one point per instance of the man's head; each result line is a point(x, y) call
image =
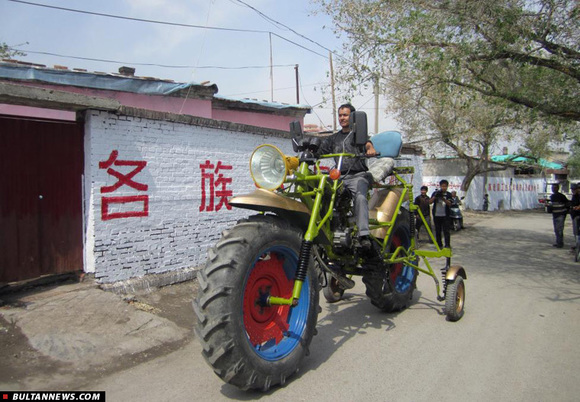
point(577, 188)
point(555, 188)
point(454, 193)
point(444, 184)
point(344, 112)
point(424, 190)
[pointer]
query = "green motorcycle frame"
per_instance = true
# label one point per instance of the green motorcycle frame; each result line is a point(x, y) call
point(258, 301)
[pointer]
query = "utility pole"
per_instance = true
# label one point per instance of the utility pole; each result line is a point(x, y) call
point(271, 72)
point(376, 103)
point(333, 97)
point(297, 85)
point(485, 166)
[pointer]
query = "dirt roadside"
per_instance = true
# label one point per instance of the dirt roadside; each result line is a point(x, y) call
point(62, 336)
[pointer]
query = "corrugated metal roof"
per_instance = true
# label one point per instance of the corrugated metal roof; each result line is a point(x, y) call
point(114, 82)
point(60, 75)
point(274, 105)
point(527, 160)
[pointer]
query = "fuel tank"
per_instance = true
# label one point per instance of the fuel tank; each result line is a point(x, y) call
point(382, 207)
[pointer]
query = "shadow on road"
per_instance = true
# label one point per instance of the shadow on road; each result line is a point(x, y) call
point(350, 317)
point(522, 258)
point(516, 257)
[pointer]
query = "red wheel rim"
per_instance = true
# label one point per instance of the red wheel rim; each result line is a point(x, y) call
point(266, 323)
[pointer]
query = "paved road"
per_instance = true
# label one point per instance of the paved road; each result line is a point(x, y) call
point(518, 341)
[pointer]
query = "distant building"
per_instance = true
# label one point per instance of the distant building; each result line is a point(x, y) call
point(518, 187)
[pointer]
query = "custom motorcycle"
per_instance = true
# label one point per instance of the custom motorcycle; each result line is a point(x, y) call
point(258, 301)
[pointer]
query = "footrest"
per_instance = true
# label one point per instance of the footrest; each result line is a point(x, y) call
point(404, 170)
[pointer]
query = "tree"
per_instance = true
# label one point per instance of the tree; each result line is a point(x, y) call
point(7, 52)
point(466, 72)
point(468, 124)
point(522, 51)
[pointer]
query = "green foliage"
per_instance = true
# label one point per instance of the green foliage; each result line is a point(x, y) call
point(6, 52)
point(574, 160)
point(513, 65)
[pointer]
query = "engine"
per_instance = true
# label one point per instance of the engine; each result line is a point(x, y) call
point(342, 241)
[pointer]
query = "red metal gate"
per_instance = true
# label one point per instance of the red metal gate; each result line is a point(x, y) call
point(41, 167)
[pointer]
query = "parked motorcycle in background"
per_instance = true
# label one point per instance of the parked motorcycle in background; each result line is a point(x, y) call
point(455, 212)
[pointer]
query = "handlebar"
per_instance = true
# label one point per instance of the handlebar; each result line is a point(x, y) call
point(350, 156)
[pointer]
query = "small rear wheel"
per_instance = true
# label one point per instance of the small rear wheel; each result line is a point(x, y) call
point(577, 253)
point(333, 291)
point(455, 299)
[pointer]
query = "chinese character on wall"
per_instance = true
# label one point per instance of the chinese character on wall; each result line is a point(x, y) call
point(125, 206)
point(214, 187)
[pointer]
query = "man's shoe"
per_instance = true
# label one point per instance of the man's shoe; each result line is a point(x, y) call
point(365, 243)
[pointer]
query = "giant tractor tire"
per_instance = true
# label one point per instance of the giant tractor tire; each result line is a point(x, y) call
point(247, 343)
point(392, 289)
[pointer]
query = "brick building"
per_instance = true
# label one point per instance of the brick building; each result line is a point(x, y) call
point(111, 182)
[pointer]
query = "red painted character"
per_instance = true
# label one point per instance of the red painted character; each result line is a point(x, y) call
point(123, 180)
point(208, 180)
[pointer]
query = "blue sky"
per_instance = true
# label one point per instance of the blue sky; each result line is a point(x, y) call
point(90, 36)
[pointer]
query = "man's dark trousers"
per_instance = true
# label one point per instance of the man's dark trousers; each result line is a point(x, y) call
point(442, 223)
point(559, 221)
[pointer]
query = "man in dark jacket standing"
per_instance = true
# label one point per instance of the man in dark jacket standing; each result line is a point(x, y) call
point(441, 200)
point(575, 210)
point(354, 171)
point(559, 208)
point(423, 202)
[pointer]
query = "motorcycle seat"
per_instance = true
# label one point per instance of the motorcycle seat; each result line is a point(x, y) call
point(388, 144)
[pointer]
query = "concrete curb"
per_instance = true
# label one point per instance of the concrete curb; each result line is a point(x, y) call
point(150, 282)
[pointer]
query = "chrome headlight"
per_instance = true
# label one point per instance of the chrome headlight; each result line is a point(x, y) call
point(268, 167)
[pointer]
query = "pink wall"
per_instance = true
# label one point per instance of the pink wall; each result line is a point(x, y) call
point(28, 111)
point(255, 119)
point(194, 107)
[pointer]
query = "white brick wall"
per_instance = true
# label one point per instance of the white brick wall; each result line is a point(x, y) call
point(175, 234)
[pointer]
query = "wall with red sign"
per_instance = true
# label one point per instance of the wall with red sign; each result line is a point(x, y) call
point(157, 192)
point(503, 192)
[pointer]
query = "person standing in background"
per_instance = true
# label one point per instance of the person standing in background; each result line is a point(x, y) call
point(486, 202)
point(575, 210)
point(441, 200)
point(559, 209)
point(422, 201)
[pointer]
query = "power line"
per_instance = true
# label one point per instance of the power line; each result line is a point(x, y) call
point(166, 23)
point(137, 19)
point(312, 108)
point(276, 89)
point(151, 64)
point(267, 18)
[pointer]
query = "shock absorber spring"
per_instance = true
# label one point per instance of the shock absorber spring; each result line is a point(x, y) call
point(443, 280)
point(412, 225)
point(302, 270)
